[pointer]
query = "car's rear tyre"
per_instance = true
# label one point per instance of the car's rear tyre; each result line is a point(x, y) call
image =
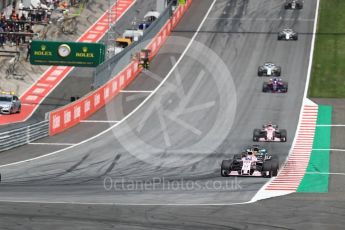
point(260, 74)
point(256, 135)
point(264, 87)
point(283, 135)
point(225, 168)
point(270, 168)
point(285, 87)
point(274, 167)
point(266, 167)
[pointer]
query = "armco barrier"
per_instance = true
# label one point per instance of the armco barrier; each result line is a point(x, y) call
point(22, 136)
point(71, 114)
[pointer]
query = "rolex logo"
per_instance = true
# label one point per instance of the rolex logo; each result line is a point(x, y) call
point(84, 53)
point(43, 47)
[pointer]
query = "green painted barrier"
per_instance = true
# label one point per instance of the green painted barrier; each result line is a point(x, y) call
point(317, 177)
point(58, 53)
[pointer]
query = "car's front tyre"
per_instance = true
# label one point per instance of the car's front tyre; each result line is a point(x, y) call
point(225, 168)
point(256, 135)
point(283, 135)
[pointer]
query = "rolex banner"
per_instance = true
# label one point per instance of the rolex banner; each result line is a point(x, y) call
point(54, 53)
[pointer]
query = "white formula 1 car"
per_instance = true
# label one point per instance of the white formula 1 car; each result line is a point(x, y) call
point(287, 34)
point(254, 161)
point(293, 4)
point(269, 69)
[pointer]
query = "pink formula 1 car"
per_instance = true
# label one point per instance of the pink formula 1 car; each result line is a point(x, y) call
point(270, 133)
point(275, 85)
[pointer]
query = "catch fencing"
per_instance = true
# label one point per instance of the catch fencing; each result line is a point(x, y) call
point(114, 65)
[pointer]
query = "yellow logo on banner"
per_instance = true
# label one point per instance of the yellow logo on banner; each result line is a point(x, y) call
point(85, 54)
point(43, 52)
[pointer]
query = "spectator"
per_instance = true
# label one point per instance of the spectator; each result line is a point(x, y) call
point(22, 22)
point(49, 14)
point(14, 4)
point(2, 38)
point(13, 15)
point(28, 50)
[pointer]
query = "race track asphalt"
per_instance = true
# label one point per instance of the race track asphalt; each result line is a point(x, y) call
point(298, 211)
point(169, 150)
point(204, 112)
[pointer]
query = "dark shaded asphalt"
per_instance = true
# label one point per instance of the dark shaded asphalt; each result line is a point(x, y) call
point(298, 211)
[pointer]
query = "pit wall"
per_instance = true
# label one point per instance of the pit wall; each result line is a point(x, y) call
point(70, 115)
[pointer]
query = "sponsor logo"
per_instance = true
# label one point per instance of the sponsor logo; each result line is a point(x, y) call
point(85, 53)
point(43, 51)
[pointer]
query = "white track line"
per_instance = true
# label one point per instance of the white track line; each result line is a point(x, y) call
point(124, 204)
point(132, 112)
point(312, 49)
point(260, 19)
point(136, 91)
point(97, 121)
point(325, 173)
point(335, 150)
point(335, 125)
point(42, 143)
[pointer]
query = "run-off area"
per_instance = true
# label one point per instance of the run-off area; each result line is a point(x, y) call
point(325, 172)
